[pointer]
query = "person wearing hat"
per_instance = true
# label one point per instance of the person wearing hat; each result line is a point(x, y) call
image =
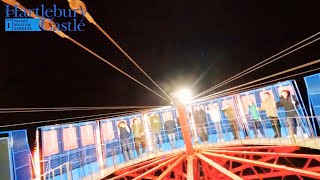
point(125, 135)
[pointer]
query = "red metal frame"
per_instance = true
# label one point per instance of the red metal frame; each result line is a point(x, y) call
point(185, 128)
point(268, 169)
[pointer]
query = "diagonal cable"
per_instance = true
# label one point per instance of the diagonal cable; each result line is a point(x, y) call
point(262, 63)
point(78, 4)
point(63, 35)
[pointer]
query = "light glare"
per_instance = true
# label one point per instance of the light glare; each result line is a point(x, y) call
point(184, 95)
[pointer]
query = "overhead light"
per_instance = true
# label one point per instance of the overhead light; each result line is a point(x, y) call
point(183, 95)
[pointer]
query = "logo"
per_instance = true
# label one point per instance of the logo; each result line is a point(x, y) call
point(41, 19)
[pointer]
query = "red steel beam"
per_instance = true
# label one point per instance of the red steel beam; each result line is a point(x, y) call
point(171, 168)
point(266, 156)
point(126, 173)
point(190, 168)
point(284, 169)
point(277, 174)
point(218, 167)
point(181, 108)
point(148, 161)
point(305, 156)
point(157, 168)
point(245, 166)
point(274, 148)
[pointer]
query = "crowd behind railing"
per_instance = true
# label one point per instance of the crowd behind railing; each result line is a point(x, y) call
point(270, 122)
point(210, 124)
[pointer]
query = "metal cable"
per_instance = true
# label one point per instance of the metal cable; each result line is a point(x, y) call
point(230, 92)
point(71, 118)
point(259, 65)
point(119, 47)
point(61, 34)
point(59, 109)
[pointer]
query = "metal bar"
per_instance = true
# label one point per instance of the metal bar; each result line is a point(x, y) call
point(155, 168)
point(190, 168)
point(218, 167)
point(125, 173)
point(146, 162)
point(244, 166)
point(181, 108)
point(276, 174)
point(268, 165)
point(275, 148)
point(171, 167)
point(306, 156)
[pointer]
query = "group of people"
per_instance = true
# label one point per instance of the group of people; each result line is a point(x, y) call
point(137, 131)
point(269, 105)
point(125, 133)
point(201, 122)
point(200, 117)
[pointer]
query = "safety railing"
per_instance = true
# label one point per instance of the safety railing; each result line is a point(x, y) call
point(299, 131)
point(278, 131)
point(61, 172)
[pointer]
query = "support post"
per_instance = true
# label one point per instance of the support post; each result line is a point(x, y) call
point(185, 128)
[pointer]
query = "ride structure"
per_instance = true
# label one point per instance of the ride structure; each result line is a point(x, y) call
point(94, 150)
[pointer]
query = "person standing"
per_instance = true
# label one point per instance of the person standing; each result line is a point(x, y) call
point(156, 128)
point(289, 104)
point(139, 137)
point(170, 127)
point(215, 116)
point(200, 120)
point(269, 106)
point(125, 134)
point(253, 113)
point(229, 113)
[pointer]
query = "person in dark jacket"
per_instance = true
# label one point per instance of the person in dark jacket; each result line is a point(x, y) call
point(200, 120)
point(170, 127)
point(125, 134)
point(290, 103)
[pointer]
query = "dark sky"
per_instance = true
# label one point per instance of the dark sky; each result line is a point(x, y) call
point(173, 41)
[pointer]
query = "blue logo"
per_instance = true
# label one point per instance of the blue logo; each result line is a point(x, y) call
point(19, 20)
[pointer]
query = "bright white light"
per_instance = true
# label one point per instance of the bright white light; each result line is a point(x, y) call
point(184, 95)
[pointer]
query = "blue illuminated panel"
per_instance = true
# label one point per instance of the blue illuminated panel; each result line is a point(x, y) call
point(20, 154)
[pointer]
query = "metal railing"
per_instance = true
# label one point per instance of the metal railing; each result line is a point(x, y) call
point(279, 131)
point(61, 172)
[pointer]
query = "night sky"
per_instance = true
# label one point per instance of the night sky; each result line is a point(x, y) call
point(175, 42)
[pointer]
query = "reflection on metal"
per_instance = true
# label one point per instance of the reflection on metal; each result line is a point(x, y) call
point(261, 169)
point(176, 165)
point(206, 163)
point(185, 128)
point(231, 162)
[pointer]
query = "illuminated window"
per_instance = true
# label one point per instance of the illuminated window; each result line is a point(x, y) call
point(49, 143)
point(70, 138)
point(167, 116)
point(107, 131)
point(87, 135)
